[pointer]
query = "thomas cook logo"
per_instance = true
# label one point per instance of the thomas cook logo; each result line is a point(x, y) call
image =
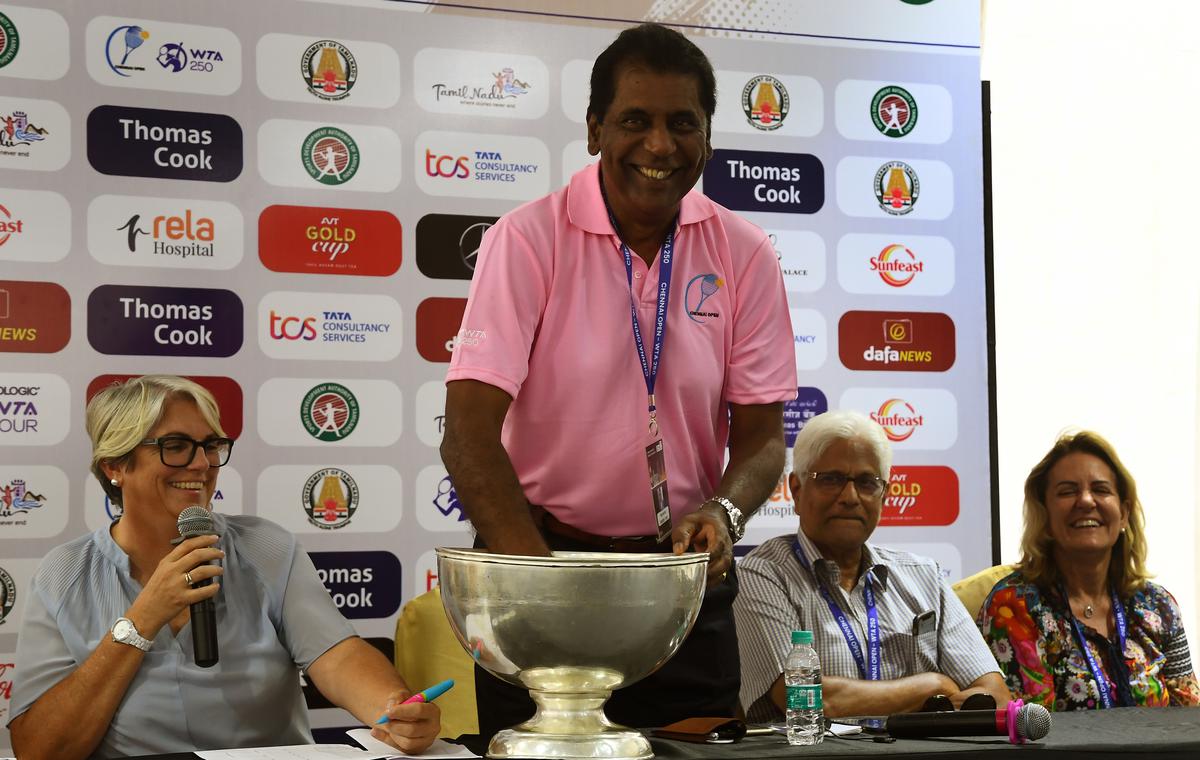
point(894, 111)
point(897, 188)
point(765, 102)
point(898, 419)
point(329, 69)
point(330, 156)
point(10, 41)
point(699, 289)
point(329, 412)
point(446, 500)
point(897, 265)
point(330, 498)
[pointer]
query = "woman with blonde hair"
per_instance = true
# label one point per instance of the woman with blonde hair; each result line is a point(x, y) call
point(1078, 625)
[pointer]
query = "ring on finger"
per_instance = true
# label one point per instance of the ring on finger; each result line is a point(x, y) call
point(187, 576)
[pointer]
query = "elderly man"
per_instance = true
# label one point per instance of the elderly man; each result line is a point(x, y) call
point(826, 578)
point(590, 400)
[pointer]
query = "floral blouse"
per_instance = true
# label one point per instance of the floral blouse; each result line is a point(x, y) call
point(1029, 631)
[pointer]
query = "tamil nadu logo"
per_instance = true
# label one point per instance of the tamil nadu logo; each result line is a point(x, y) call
point(329, 69)
point(765, 102)
point(330, 156)
point(699, 288)
point(10, 41)
point(329, 412)
point(896, 188)
point(330, 498)
point(894, 111)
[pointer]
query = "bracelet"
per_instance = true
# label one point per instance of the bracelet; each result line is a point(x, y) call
point(737, 527)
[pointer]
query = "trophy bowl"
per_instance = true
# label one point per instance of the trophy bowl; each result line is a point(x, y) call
point(570, 628)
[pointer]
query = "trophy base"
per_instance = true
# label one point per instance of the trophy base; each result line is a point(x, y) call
point(612, 744)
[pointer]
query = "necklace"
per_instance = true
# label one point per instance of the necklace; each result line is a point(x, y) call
point(1087, 610)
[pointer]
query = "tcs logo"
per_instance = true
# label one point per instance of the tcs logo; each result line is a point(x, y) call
point(292, 328)
point(446, 166)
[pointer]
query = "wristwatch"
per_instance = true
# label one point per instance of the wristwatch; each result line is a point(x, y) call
point(125, 632)
point(737, 521)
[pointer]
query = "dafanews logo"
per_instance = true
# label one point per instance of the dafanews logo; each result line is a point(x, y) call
point(329, 412)
point(330, 155)
point(149, 142)
point(438, 322)
point(921, 495)
point(150, 321)
point(897, 188)
point(361, 584)
point(321, 240)
point(894, 111)
point(765, 102)
point(448, 244)
point(896, 341)
point(329, 69)
point(330, 498)
point(699, 289)
point(35, 317)
point(10, 40)
point(749, 180)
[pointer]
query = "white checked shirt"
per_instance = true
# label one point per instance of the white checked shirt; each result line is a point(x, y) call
point(778, 596)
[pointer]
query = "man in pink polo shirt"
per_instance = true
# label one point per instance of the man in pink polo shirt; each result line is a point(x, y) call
point(571, 425)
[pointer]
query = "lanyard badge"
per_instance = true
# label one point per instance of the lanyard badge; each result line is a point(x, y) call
point(870, 668)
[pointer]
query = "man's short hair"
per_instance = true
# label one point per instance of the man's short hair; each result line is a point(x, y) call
point(822, 431)
point(659, 49)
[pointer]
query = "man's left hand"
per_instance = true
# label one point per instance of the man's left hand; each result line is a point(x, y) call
point(704, 531)
point(412, 727)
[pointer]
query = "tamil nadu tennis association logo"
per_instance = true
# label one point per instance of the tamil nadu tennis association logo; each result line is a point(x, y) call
point(894, 111)
point(765, 102)
point(8, 594)
point(897, 188)
point(330, 156)
point(329, 412)
point(699, 289)
point(898, 419)
point(10, 40)
point(330, 498)
point(329, 69)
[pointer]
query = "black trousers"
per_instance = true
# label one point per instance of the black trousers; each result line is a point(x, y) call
point(702, 679)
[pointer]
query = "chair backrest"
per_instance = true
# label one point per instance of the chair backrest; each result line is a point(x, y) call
point(972, 590)
point(428, 652)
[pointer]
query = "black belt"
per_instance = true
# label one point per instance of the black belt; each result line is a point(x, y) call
point(548, 523)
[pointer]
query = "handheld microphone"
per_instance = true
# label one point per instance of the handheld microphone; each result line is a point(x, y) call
point(192, 522)
point(1019, 722)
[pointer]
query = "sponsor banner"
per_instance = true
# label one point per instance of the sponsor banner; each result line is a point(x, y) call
point(945, 554)
point(437, 506)
point(351, 498)
point(158, 55)
point(809, 402)
point(448, 244)
point(34, 134)
point(913, 418)
point(151, 142)
point(35, 409)
point(757, 103)
point(921, 495)
point(227, 499)
point(465, 165)
point(321, 240)
point(152, 321)
point(884, 111)
point(35, 225)
point(24, 53)
point(141, 231)
point(323, 70)
point(575, 157)
point(35, 317)
point(755, 180)
point(810, 337)
point(331, 326)
point(801, 255)
point(881, 188)
point(425, 573)
point(8, 676)
point(438, 322)
point(316, 155)
point(338, 412)
point(896, 341)
point(226, 391)
point(431, 413)
point(908, 265)
point(474, 83)
point(34, 501)
point(361, 584)
point(576, 87)
point(15, 576)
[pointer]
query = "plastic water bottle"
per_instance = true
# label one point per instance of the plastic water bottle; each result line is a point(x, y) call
point(802, 677)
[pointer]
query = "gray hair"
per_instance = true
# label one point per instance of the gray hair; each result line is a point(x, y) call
point(824, 430)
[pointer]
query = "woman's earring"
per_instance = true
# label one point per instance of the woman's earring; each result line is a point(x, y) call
point(115, 482)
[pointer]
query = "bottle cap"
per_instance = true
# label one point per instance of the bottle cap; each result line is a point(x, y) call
point(802, 637)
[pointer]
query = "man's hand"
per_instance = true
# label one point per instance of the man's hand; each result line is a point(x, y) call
point(705, 531)
point(412, 727)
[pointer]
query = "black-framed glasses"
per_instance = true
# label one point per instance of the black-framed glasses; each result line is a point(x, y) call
point(834, 482)
point(179, 450)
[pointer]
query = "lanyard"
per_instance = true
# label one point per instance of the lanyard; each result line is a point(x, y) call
point(1124, 697)
point(874, 672)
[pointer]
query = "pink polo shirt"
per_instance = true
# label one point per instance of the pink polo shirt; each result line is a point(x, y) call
point(548, 323)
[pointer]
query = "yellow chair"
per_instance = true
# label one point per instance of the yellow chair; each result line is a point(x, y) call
point(973, 590)
point(427, 652)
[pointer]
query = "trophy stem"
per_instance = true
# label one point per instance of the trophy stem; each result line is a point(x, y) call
point(570, 725)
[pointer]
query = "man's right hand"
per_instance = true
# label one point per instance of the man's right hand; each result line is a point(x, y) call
point(167, 592)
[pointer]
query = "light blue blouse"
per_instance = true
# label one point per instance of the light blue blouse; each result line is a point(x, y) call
point(274, 617)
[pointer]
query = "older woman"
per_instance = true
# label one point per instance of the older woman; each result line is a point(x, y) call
point(1078, 626)
point(105, 652)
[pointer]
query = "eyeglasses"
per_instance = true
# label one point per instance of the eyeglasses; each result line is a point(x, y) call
point(834, 482)
point(179, 450)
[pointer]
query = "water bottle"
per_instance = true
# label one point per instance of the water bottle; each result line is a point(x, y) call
point(802, 677)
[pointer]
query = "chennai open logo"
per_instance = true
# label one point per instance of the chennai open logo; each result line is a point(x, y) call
point(894, 111)
point(765, 102)
point(330, 156)
point(330, 498)
point(897, 187)
point(329, 412)
point(897, 265)
point(898, 419)
point(699, 289)
point(329, 69)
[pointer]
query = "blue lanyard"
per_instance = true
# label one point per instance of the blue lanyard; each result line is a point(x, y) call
point(874, 672)
point(1122, 686)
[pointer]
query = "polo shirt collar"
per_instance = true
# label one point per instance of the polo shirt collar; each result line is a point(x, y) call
point(112, 551)
point(829, 571)
point(585, 204)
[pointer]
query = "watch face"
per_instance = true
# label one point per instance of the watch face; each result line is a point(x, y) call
point(122, 629)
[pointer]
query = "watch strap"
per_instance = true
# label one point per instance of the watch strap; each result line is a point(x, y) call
point(737, 525)
point(130, 635)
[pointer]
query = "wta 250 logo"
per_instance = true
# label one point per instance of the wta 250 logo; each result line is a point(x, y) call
point(695, 298)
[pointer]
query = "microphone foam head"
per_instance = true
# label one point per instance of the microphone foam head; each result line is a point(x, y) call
point(1033, 722)
point(194, 521)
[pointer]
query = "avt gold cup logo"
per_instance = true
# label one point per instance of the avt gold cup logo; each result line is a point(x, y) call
point(324, 240)
point(921, 495)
